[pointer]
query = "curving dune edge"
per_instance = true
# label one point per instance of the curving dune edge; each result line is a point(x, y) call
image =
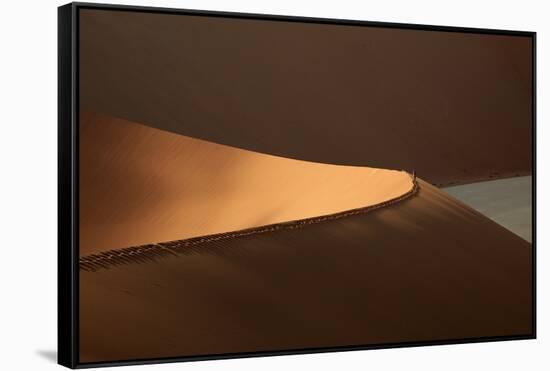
point(140, 186)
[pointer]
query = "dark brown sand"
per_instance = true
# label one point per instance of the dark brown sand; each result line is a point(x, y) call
point(457, 107)
point(427, 268)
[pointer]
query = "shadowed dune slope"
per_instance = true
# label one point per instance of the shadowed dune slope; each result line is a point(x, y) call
point(457, 107)
point(141, 185)
point(427, 268)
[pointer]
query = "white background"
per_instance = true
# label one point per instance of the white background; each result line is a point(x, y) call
point(28, 152)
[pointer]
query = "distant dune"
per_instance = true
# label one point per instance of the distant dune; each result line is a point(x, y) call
point(457, 107)
point(141, 185)
point(426, 268)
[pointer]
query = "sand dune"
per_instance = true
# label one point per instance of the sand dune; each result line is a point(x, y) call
point(427, 268)
point(141, 185)
point(457, 107)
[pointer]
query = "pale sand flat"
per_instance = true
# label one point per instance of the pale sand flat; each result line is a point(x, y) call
point(506, 201)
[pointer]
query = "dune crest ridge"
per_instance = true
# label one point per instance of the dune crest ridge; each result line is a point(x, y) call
point(140, 185)
point(153, 252)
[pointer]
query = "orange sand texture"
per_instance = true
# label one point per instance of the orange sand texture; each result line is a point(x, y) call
point(140, 185)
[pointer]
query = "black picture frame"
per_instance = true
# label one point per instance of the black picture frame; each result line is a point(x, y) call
point(68, 180)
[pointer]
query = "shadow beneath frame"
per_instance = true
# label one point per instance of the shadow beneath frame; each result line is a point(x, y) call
point(50, 355)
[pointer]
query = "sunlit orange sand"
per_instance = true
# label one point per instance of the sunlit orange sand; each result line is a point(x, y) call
point(141, 185)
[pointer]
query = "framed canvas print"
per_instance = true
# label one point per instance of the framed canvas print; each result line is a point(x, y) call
point(235, 185)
